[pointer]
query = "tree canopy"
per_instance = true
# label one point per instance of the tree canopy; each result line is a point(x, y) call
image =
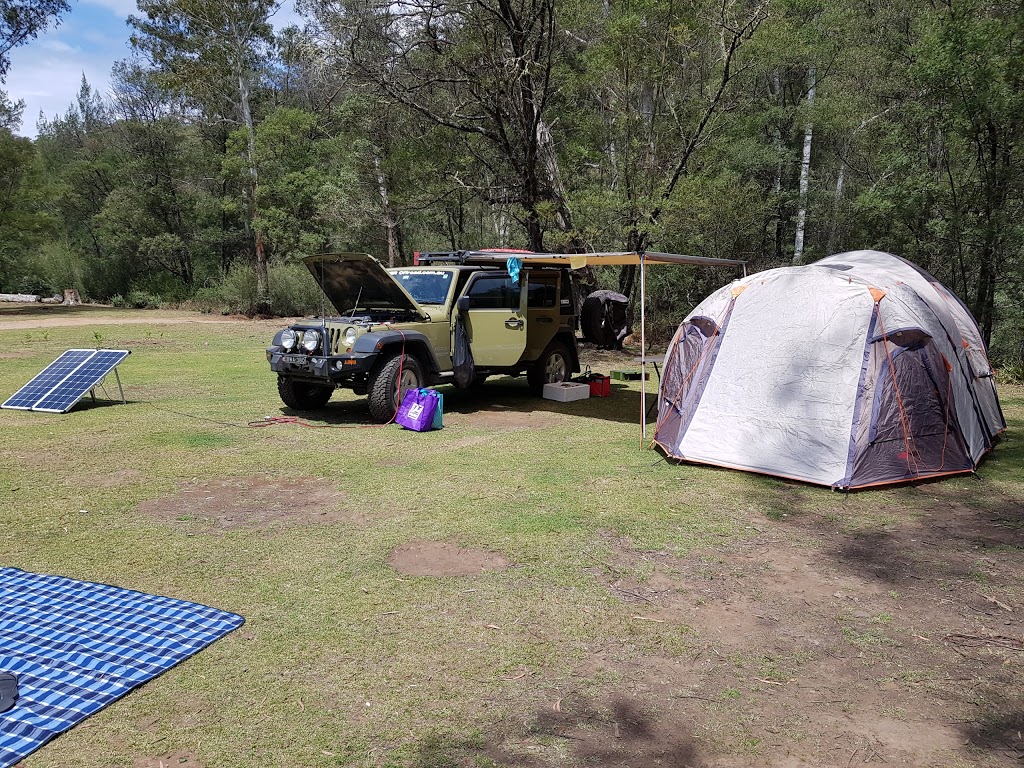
point(776, 131)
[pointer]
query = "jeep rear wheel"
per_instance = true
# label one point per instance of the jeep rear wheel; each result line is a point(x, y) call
point(551, 368)
point(302, 396)
point(384, 393)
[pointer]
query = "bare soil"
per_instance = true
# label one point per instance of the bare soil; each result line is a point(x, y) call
point(438, 558)
point(251, 502)
point(15, 317)
point(178, 759)
point(509, 419)
point(805, 646)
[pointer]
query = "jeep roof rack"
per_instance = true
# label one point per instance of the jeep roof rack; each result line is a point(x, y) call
point(487, 256)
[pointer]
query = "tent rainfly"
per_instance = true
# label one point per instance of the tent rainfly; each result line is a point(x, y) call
point(856, 371)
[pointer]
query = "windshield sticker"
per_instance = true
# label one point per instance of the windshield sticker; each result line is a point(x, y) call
point(410, 273)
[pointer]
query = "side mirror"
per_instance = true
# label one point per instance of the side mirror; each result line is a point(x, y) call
point(463, 303)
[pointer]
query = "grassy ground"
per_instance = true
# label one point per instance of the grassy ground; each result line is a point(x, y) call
point(629, 630)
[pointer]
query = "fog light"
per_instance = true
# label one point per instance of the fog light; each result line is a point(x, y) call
point(310, 340)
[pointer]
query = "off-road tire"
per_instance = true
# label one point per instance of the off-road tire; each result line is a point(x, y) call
point(382, 385)
point(301, 395)
point(597, 320)
point(552, 367)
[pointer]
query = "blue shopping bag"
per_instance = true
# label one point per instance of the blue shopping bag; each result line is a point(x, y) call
point(439, 413)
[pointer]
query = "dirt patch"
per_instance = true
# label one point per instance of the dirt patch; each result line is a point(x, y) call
point(469, 442)
point(437, 558)
point(253, 502)
point(180, 759)
point(16, 355)
point(806, 645)
point(28, 316)
point(512, 420)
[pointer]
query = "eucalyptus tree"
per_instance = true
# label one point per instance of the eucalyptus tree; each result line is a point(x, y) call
point(662, 74)
point(482, 72)
point(22, 20)
point(212, 52)
point(24, 220)
point(967, 136)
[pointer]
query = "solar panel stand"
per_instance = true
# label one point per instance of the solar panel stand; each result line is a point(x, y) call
point(119, 387)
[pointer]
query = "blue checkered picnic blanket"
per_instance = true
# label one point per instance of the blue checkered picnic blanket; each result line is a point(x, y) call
point(77, 646)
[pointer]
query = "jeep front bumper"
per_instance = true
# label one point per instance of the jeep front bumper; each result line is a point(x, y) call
point(334, 368)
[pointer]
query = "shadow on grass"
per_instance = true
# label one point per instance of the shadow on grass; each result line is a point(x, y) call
point(998, 731)
point(619, 735)
point(19, 311)
point(505, 395)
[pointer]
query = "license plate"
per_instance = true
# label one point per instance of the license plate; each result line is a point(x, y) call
point(296, 359)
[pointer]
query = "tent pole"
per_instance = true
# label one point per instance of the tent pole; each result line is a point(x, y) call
point(643, 349)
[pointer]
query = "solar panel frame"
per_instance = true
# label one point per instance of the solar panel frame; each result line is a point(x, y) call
point(44, 382)
point(59, 386)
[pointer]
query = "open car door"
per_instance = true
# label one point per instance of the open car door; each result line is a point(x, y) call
point(494, 311)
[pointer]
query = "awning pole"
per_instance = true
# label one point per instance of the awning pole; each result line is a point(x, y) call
point(643, 349)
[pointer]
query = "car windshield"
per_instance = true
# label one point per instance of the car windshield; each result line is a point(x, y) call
point(426, 287)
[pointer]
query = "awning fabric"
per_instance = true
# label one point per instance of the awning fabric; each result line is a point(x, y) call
point(615, 258)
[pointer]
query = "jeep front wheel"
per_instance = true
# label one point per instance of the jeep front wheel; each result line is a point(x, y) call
point(551, 368)
point(384, 392)
point(302, 396)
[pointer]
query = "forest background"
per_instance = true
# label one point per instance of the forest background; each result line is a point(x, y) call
point(778, 132)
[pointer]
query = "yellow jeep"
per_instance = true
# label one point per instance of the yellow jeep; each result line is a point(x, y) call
point(409, 327)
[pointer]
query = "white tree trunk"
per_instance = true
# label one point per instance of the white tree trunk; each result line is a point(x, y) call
point(546, 149)
point(262, 281)
point(390, 223)
point(805, 173)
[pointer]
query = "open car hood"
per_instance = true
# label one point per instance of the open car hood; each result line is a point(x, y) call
point(357, 280)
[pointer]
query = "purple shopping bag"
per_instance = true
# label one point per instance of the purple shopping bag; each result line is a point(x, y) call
point(417, 410)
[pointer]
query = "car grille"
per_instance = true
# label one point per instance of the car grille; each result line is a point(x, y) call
point(334, 341)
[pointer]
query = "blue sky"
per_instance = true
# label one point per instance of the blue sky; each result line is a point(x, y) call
point(47, 72)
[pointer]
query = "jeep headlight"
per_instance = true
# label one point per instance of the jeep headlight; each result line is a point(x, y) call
point(310, 340)
point(350, 336)
point(289, 339)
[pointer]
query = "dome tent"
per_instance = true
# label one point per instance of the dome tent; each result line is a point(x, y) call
point(855, 371)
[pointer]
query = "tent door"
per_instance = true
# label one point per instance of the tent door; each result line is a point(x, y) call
point(913, 430)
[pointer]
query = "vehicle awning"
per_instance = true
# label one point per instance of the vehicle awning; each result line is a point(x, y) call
point(611, 258)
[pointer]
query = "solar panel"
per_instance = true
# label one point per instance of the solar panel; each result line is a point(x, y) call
point(66, 380)
point(49, 378)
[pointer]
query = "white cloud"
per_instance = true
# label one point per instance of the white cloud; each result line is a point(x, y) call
point(57, 46)
point(50, 82)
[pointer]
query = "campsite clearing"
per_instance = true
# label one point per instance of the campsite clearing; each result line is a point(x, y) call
point(609, 609)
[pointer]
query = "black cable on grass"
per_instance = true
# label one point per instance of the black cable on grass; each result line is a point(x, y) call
point(193, 416)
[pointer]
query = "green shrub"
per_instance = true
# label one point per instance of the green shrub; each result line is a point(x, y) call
point(1011, 372)
point(142, 300)
point(237, 291)
point(292, 292)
